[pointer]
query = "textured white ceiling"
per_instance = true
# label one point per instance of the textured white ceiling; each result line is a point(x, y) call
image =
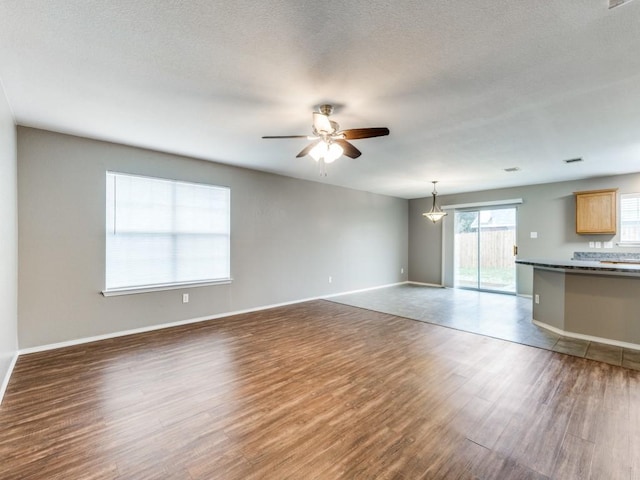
point(467, 87)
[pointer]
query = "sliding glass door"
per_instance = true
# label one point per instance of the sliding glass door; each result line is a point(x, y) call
point(484, 249)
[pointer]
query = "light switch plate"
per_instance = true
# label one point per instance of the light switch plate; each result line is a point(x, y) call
point(608, 244)
point(534, 234)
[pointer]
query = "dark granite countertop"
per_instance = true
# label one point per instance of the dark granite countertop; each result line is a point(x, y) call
point(583, 266)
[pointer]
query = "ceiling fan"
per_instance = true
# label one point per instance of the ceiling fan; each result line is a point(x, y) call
point(328, 141)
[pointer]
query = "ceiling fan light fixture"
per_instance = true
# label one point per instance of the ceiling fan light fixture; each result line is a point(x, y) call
point(436, 213)
point(327, 152)
point(334, 152)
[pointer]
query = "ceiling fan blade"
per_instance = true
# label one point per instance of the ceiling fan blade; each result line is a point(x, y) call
point(286, 136)
point(356, 133)
point(307, 149)
point(349, 150)
point(321, 123)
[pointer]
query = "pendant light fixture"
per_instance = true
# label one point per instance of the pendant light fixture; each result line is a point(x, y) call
point(436, 212)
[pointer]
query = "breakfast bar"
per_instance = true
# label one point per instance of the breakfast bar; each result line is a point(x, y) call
point(593, 299)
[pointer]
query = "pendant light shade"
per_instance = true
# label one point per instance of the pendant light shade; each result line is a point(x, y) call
point(436, 213)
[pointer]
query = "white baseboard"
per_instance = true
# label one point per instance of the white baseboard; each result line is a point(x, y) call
point(150, 328)
point(426, 284)
point(580, 336)
point(358, 291)
point(5, 381)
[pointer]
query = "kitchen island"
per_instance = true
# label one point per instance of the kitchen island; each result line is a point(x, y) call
point(596, 300)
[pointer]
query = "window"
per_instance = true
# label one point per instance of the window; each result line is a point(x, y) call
point(163, 233)
point(630, 218)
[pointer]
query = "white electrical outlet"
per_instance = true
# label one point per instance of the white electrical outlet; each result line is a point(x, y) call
point(598, 244)
point(537, 298)
point(608, 244)
point(330, 279)
point(402, 270)
point(185, 298)
point(592, 244)
point(534, 234)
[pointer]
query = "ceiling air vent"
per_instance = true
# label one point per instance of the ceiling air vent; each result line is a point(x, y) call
point(573, 160)
point(512, 169)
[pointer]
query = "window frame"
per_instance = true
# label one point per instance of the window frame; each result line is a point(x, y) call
point(154, 287)
point(628, 242)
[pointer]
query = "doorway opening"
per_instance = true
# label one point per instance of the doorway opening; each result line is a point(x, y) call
point(484, 249)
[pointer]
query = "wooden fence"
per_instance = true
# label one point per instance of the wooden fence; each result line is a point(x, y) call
point(496, 249)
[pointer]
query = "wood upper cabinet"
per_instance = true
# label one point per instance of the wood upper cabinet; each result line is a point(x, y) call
point(596, 211)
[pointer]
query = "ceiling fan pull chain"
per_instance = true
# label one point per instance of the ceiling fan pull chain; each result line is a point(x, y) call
point(323, 168)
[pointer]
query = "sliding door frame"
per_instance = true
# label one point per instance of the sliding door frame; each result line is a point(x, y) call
point(481, 279)
point(448, 229)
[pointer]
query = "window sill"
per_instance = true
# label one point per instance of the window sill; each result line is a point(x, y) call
point(114, 292)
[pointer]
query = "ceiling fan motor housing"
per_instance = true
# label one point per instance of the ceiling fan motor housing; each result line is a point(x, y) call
point(326, 109)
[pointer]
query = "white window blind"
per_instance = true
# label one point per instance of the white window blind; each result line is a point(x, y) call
point(630, 218)
point(163, 232)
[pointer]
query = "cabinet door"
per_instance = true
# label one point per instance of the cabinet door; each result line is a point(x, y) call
point(596, 212)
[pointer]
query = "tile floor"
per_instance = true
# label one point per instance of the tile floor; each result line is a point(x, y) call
point(494, 315)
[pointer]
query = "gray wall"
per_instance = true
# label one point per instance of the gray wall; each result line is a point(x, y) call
point(548, 209)
point(8, 239)
point(288, 236)
point(425, 243)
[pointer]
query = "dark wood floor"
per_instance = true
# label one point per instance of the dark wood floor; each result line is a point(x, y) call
point(317, 390)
